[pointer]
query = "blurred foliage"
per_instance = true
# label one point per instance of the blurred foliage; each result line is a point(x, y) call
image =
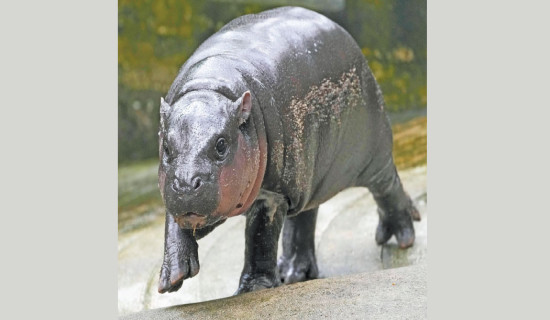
point(409, 143)
point(156, 37)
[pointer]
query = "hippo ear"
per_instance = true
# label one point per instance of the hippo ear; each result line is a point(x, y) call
point(245, 105)
point(164, 107)
point(164, 111)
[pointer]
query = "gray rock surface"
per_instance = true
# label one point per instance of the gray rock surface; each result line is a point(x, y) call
point(344, 246)
point(390, 294)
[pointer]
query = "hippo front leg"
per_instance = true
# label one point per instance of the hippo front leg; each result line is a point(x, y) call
point(264, 222)
point(181, 259)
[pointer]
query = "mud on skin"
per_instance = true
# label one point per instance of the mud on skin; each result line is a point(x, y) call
point(270, 117)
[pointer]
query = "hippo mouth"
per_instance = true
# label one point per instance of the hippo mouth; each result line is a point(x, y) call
point(192, 215)
point(191, 220)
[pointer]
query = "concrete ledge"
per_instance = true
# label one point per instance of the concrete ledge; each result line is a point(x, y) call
point(399, 293)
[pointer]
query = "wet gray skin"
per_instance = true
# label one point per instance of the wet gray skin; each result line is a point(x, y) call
point(300, 117)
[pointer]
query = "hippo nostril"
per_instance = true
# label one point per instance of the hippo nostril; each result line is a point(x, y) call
point(176, 185)
point(197, 183)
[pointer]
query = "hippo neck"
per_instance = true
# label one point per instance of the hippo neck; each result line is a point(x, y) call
point(262, 147)
point(257, 128)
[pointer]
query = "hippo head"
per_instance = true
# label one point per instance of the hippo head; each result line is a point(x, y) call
point(209, 158)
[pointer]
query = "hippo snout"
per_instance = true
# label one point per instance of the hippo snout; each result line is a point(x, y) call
point(192, 202)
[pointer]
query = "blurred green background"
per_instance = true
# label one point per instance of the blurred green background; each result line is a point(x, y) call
point(156, 37)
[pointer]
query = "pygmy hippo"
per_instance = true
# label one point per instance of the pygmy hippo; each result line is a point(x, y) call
point(270, 117)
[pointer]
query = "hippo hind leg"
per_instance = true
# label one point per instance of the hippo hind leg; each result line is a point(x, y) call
point(396, 209)
point(298, 263)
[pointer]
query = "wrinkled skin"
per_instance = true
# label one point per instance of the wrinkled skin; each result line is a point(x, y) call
point(270, 117)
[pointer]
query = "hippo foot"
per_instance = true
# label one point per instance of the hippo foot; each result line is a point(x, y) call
point(177, 268)
point(298, 268)
point(400, 225)
point(251, 282)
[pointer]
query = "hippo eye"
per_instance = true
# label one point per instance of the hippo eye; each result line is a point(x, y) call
point(221, 147)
